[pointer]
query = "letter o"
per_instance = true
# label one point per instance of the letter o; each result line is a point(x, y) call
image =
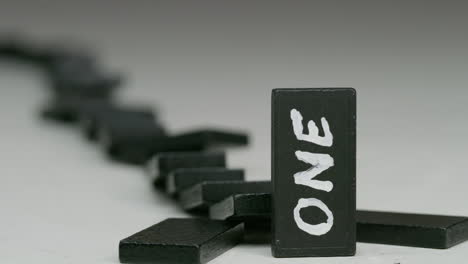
point(318, 229)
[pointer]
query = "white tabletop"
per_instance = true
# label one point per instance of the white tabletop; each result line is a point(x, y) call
point(214, 64)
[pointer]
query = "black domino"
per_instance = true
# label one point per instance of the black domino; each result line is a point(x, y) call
point(128, 139)
point(253, 209)
point(67, 109)
point(162, 164)
point(416, 230)
point(74, 72)
point(201, 140)
point(314, 218)
point(86, 84)
point(181, 179)
point(243, 207)
point(181, 241)
point(15, 47)
point(90, 119)
point(205, 194)
point(12, 47)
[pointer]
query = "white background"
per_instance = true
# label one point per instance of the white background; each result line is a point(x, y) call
point(214, 64)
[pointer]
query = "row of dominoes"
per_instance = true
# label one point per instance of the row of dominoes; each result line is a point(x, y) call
point(191, 169)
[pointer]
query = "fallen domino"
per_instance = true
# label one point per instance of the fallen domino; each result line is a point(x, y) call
point(181, 179)
point(162, 164)
point(87, 85)
point(67, 109)
point(245, 207)
point(128, 139)
point(200, 140)
point(252, 209)
point(199, 197)
point(91, 119)
point(416, 230)
point(16, 47)
point(75, 74)
point(181, 241)
point(58, 58)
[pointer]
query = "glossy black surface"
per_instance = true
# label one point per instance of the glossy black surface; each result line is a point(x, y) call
point(312, 232)
point(164, 163)
point(181, 241)
point(203, 195)
point(90, 119)
point(85, 83)
point(181, 179)
point(67, 109)
point(201, 140)
point(128, 139)
point(405, 229)
point(252, 209)
point(243, 207)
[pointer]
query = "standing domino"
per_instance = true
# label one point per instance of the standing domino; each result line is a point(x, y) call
point(314, 172)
